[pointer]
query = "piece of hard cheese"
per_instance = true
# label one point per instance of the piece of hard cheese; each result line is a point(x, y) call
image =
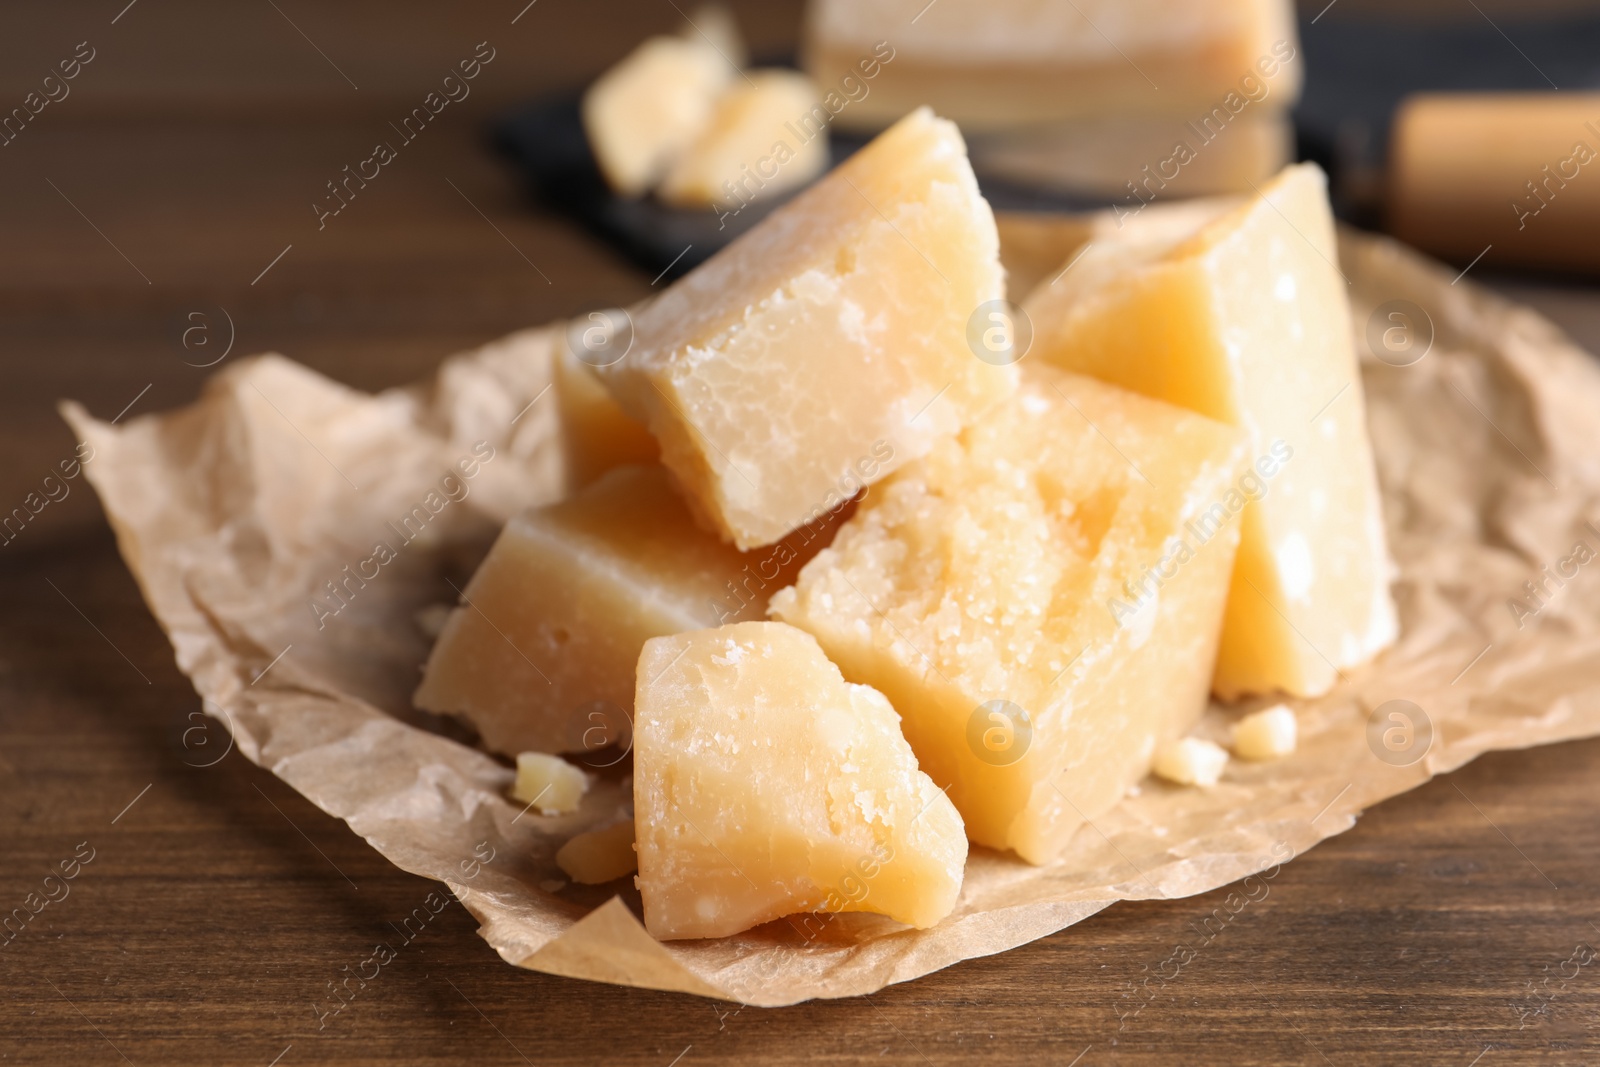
point(645, 110)
point(1036, 599)
point(828, 345)
point(596, 435)
point(1246, 320)
point(765, 785)
point(750, 149)
point(995, 63)
point(540, 655)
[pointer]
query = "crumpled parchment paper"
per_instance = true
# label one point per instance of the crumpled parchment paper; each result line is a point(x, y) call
point(273, 493)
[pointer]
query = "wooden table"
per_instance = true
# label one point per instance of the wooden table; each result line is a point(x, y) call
point(176, 182)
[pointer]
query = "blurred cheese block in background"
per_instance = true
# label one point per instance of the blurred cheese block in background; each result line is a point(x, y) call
point(1035, 598)
point(1247, 320)
point(828, 345)
point(998, 63)
point(540, 654)
point(1135, 160)
point(1515, 171)
point(765, 785)
point(647, 109)
point(679, 116)
point(753, 147)
point(596, 434)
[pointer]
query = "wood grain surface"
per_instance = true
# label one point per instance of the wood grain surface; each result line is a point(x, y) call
point(218, 906)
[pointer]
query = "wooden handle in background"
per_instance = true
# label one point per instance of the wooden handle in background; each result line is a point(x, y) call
point(1517, 174)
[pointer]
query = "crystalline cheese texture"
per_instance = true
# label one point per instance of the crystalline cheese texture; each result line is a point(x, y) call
point(1246, 320)
point(828, 345)
point(765, 786)
point(1039, 598)
point(540, 654)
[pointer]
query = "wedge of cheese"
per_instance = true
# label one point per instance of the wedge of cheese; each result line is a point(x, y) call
point(995, 63)
point(540, 654)
point(1036, 599)
point(647, 109)
point(828, 345)
point(752, 148)
point(765, 786)
point(596, 435)
point(1247, 320)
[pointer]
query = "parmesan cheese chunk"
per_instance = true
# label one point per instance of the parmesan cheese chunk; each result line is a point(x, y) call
point(828, 345)
point(647, 109)
point(540, 654)
point(1245, 319)
point(751, 149)
point(765, 785)
point(1033, 600)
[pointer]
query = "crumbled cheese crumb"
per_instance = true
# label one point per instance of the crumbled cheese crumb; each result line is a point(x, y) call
point(1270, 733)
point(1191, 761)
point(598, 856)
point(549, 783)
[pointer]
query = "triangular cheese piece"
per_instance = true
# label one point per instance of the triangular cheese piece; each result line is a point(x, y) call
point(1246, 319)
point(765, 785)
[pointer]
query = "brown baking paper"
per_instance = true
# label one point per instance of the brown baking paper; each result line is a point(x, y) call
point(235, 513)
